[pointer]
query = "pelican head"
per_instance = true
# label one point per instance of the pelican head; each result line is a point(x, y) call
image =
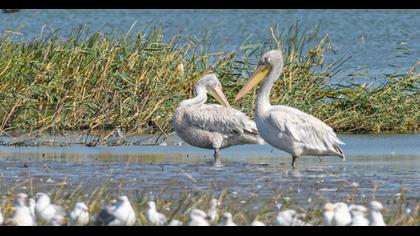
point(210, 84)
point(270, 60)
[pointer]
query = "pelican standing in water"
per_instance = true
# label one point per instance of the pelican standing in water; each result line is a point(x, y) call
point(284, 127)
point(213, 126)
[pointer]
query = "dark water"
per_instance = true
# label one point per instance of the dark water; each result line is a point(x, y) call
point(377, 40)
point(380, 165)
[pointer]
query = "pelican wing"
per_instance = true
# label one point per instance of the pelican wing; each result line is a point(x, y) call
point(217, 118)
point(304, 128)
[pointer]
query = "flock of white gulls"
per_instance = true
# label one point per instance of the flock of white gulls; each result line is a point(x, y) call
point(29, 212)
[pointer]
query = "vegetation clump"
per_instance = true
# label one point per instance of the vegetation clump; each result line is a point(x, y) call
point(59, 84)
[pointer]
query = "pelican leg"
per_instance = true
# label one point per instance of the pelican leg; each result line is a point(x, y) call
point(217, 157)
point(294, 162)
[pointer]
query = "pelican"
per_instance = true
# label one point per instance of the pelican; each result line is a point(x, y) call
point(284, 127)
point(213, 126)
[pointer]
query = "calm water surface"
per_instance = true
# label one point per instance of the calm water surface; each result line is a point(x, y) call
point(377, 40)
point(384, 163)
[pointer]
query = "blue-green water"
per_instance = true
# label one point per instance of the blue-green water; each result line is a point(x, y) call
point(380, 165)
point(377, 40)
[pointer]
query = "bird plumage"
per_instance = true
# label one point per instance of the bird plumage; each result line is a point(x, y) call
point(284, 127)
point(50, 213)
point(79, 215)
point(212, 126)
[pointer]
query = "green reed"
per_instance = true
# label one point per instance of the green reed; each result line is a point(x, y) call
point(99, 82)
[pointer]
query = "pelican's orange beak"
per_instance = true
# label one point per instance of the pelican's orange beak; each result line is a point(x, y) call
point(259, 74)
point(218, 94)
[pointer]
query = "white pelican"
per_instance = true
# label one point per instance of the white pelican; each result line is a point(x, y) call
point(210, 125)
point(285, 127)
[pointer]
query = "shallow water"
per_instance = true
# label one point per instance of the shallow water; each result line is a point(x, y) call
point(376, 39)
point(386, 163)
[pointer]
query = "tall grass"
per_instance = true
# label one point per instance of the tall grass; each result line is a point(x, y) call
point(77, 83)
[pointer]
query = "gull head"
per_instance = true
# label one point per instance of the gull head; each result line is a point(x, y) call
point(42, 199)
point(357, 208)
point(329, 207)
point(214, 203)
point(21, 199)
point(151, 204)
point(376, 206)
point(227, 216)
point(81, 206)
point(341, 206)
point(123, 199)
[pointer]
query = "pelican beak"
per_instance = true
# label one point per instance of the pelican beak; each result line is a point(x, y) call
point(259, 74)
point(217, 93)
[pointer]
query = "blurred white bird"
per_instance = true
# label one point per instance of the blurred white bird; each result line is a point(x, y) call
point(375, 215)
point(358, 215)
point(289, 217)
point(22, 215)
point(153, 216)
point(257, 223)
point(79, 215)
point(32, 209)
point(1, 218)
point(198, 218)
point(123, 213)
point(175, 222)
point(408, 212)
point(50, 213)
point(328, 214)
point(212, 212)
point(227, 220)
point(342, 215)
